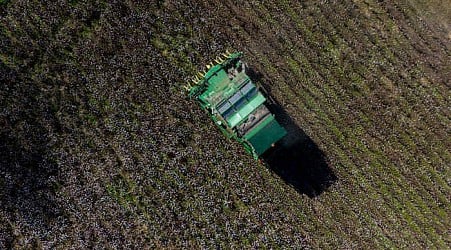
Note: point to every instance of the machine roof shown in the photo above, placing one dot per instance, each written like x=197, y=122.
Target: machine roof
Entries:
x=267, y=133
x=220, y=86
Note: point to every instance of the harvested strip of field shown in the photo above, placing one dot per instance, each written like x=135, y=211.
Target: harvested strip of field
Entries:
x=100, y=148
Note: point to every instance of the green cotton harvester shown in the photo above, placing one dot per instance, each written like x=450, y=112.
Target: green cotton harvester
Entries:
x=235, y=104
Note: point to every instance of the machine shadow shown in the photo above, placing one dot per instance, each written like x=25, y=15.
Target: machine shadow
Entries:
x=28, y=169
x=27, y=182
x=296, y=158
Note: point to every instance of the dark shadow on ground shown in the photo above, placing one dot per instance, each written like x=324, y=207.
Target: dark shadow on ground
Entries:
x=27, y=172
x=296, y=158
x=27, y=184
